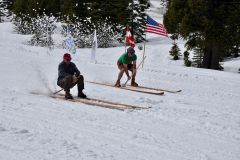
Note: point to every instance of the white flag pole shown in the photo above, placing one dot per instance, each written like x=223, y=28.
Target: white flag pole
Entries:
x=47, y=40
x=94, y=47
x=125, y=40
x=125, y=44
x=144, y=49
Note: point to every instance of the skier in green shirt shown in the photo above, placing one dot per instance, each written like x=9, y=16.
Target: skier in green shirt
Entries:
x=126, y=62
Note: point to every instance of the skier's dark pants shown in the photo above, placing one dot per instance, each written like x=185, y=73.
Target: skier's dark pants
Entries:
x=70, y=81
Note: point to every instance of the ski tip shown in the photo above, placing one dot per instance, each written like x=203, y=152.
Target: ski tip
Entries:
x=161, y=93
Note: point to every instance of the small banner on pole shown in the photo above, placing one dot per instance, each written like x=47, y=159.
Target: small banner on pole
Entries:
x=70, y=44
x=129, y=40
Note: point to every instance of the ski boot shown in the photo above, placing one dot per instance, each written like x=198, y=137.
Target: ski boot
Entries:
x=117, y=84
x=133, y=83
x=81, y=95
x=68, y=95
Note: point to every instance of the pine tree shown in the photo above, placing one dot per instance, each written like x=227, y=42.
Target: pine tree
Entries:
x=197, y=57
x=52, y=7
x=33, y=8
x=232, y=42
x=138, y=18
x=20, y=7
x=86, y=15
x=81, y=9
x=22, y=24
x=77, y=30
x=187, y=62
x=115, y=10
x=175, y=51
x=9, y=7
x=3, y=9
x=217, y=22
x=107, y=37
x=68, y=8
x=43, y=28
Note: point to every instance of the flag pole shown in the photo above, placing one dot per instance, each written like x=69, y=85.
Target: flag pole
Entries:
x=125, y=40
x=47, y=39
x=144, y=49
x=125, y=45
x=94, y=47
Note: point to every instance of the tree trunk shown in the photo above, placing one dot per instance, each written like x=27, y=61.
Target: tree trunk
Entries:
x=207, y=56
x=215, y=57
x=211, y=56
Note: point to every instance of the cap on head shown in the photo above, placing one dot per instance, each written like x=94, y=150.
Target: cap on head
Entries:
x=130, y=50
x=132, y=45
x=67, y=56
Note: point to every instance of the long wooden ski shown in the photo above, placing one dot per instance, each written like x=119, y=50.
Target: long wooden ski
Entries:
x=159, y=89
x=101, y=103
x=121, y=104
x=135, y=89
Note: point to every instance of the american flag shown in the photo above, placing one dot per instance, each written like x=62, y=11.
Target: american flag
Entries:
x=154, y=27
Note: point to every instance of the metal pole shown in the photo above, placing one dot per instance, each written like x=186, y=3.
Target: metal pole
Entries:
x=144, y=49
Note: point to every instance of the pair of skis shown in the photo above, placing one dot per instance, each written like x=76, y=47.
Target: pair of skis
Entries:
x=130, y=88
x=142, y=89
x=101, y=103
x=116, y=105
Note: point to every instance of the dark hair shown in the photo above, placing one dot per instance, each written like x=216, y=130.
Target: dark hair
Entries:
x=130, y=50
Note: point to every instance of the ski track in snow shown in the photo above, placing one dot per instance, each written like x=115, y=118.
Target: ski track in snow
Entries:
x=200, y=123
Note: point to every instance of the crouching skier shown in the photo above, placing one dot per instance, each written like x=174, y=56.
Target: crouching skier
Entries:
x=126, y=62
x=69, y=76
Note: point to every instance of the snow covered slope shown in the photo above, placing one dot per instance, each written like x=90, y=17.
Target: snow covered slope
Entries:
x=200, y=123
